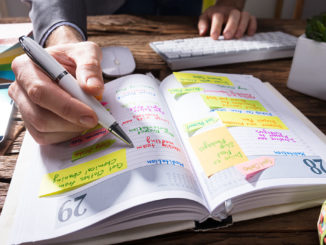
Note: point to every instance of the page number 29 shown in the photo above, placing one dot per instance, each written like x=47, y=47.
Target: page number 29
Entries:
x=71, y=207
x=315, y=165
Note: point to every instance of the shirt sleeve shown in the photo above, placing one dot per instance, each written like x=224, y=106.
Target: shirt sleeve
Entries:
x=62, y=23
x=48, y=15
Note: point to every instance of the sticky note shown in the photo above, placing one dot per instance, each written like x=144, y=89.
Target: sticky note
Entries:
x=234, y=119
x=5, y=67
x=252, y=167
x=76, y=176
x=9, y=75
x=182, y=91
x=98, y=126
x=216, y=150
x=7, y=60
x=195, y=125
x=94, y=133
x=191, y=78
x=92, y=149
x=214, y=102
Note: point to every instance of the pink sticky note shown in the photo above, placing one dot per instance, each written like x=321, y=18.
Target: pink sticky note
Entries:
x=254, y=166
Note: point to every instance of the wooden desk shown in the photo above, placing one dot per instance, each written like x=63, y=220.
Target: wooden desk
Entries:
x=135, y=32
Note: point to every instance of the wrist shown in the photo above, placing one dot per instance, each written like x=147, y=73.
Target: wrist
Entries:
x=63, y=34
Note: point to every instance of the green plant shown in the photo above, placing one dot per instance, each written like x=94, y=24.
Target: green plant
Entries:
x=316, y=28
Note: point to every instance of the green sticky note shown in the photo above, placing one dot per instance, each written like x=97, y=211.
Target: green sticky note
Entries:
x=195, y=125
x=182, y=91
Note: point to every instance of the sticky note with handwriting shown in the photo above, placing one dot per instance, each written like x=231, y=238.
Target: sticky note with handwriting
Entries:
x=89, y=135
x=191, y=78
x=233, y=119
x=252, y=167
x=214, y=102
x=216, y=150
x=92, y=149
x=76, y=176
x=195, y=125
x=182, y=91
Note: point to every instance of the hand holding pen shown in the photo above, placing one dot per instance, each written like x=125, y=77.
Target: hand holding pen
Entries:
x=51, y=114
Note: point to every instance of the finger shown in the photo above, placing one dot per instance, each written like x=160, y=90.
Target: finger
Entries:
x=243, y=24
x=45, y=93
x=88, y=56
x=203, y=24
x=216, y=26
x=49, y=138
x=252, y=27
x=41, y=119
x=231, y=24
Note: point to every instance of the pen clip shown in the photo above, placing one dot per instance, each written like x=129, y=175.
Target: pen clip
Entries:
x=28, y=52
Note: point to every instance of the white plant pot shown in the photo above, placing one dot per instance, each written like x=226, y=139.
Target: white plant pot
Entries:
x=308, y=70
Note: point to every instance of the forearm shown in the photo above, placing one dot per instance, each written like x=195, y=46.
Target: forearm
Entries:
x=238, y=4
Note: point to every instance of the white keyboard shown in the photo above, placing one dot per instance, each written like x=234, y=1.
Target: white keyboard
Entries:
x=204, y=51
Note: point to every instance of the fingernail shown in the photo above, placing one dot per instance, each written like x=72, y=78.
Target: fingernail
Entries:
x=227, y=35
x=93, y=82
x=201, y=31
x=214, y=36
x=87, y=121
x=99, y=97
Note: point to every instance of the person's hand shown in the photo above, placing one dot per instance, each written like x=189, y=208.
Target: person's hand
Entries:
x=50, y=114
x=237, y=23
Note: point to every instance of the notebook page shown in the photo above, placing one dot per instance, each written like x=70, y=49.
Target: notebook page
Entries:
x=294, y=149
x=156, y=169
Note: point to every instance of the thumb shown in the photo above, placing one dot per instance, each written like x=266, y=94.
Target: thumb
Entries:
x=87, y=57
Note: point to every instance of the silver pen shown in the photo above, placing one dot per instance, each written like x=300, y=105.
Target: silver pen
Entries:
x=66, y=81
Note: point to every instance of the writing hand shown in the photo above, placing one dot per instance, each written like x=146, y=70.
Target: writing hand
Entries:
x=236, y=22
x=50, y=114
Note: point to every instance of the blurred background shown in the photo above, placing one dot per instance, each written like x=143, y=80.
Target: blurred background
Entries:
x=285, y=9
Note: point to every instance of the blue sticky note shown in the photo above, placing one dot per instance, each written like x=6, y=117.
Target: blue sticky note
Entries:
x=9, y=75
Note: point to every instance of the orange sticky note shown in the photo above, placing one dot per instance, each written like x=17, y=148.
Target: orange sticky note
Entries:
x=254, y=166
x=216, y=150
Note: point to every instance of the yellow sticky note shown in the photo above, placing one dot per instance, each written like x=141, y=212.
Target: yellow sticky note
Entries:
x=182, y=91
x=191, y=78
x=195, y=125
x=7, y=60
x=92, y=149
x=216, y=150
x=76, y=176
x=226, y=102
x=98, y=126
x=235, y=119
